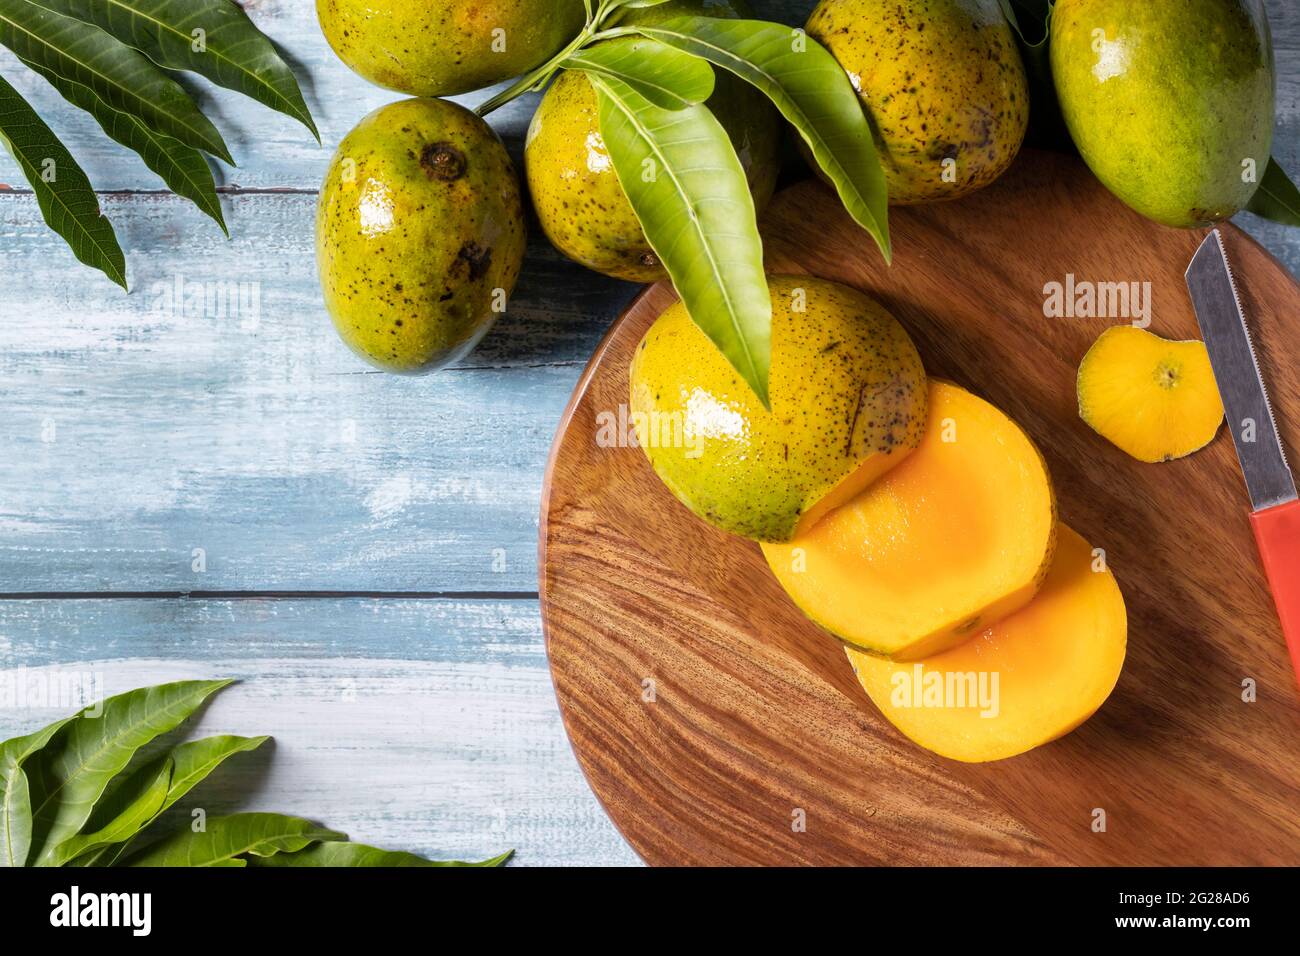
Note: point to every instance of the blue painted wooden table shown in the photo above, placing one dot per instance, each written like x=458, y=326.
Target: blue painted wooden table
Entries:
x=198, y=480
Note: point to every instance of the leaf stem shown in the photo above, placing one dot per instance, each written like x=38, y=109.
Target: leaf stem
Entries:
x=539, y=77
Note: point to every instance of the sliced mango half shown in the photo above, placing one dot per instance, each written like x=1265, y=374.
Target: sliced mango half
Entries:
x=953, y=538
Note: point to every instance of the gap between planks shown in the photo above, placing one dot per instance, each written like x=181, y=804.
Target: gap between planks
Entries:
x=268, y=595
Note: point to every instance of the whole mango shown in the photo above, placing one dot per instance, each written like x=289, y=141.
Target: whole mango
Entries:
x=1170, y=104
x=579, y=201
x=943, y=86
x=446, y=47
x=848, y=395
x=419, y=234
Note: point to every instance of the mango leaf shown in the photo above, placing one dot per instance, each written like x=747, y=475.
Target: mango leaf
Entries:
x=333, y=854
x=634, y=4
x=181, y=167
x=227, y=838
x=69, y=776
x=64, y=194
x=811, y=90
x=15, y=799
x=125, y=822
x=666, y=77
x=123, y=78
x=192, y=762
x=1277, y=197
x=213, y=38
x=689, y=192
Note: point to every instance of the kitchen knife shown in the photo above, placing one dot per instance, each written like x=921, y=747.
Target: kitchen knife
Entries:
x=1275, y=514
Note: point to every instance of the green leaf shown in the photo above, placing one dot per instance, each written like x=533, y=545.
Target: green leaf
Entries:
x=129, y=817
x=181, y=167
x=226, y=838
x=689, y=192
x=15, y=799
x=333, y=854
x=1277, y=197
x=193, y=761
x=124, y=78
x=666, y=77
x=231, y=51
x=811, y=90
x=64, y=194
x=70, y=775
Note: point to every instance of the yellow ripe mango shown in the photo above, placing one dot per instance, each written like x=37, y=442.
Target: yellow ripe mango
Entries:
x=848, y=397
x=446, y=47
x=943, y=86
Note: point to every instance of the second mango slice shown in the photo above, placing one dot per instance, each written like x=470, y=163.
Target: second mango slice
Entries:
x=1026, y=680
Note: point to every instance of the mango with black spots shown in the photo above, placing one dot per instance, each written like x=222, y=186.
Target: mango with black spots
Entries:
x=943, y=86
x=446, y=47
x=575, y=189
x=848, y=403
x=1170, y=104
x=419, y=234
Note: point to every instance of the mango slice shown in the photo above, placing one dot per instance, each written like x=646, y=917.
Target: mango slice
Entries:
x=1025, y=681
x=1152, y=398
x=848, y=395
x=955, y=537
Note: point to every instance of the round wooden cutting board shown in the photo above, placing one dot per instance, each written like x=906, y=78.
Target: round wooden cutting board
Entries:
x=718, y=726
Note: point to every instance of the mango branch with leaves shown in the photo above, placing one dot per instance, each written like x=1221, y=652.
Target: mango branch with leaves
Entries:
x=114, y=59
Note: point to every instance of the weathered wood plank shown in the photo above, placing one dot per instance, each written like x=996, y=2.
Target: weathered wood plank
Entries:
x=140, y=427
x=422, y=725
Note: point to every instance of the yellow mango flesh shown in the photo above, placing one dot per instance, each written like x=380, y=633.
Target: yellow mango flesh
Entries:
x=942, y=83
x=848, y=395
x=955, y=537
x=1152, y=398
x=1027, y=680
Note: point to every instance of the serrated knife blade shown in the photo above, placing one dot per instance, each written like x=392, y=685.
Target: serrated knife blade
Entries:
x=1236, y=370
x=1275, y=517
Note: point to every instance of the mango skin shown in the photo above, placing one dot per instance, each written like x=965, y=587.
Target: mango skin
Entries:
x=1167, y=106
x=848, y=395
x=940, y=80
x=419, y=234
x=447, y=46
x=576, y=193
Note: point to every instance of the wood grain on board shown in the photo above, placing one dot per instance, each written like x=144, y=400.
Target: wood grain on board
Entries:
x=757, y=715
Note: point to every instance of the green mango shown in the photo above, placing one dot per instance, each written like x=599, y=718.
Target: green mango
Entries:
x=1170, y=104
x=848, y=395
x=446, y=47
x=943, y=86
x=579, y=201
x=419, y=234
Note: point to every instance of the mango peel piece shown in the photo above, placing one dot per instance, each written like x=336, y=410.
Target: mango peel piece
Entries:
x=1152, y=398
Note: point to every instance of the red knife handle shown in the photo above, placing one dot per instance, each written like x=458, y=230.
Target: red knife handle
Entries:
x=1277, y=531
